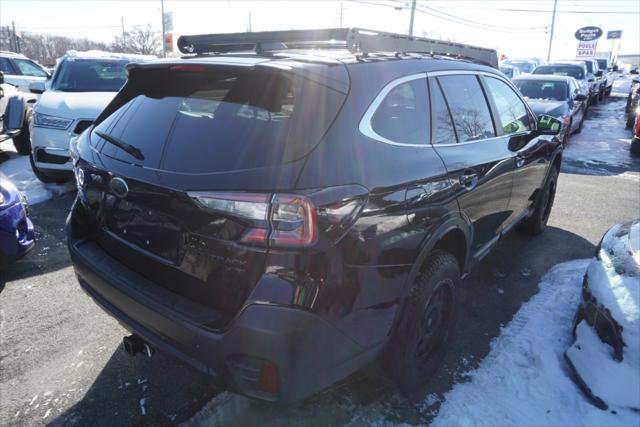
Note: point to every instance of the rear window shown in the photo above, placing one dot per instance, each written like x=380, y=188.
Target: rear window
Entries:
x=602, y=63
x=561, y=70
x=540, y=89
x=219, y=119
x=90, y=75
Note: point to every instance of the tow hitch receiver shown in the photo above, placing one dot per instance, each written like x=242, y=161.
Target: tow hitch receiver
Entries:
x=133, y=345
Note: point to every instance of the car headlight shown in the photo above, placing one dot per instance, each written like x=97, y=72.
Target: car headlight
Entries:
x=46, y=121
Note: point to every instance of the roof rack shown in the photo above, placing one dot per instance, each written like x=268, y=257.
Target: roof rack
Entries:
x=356, y=40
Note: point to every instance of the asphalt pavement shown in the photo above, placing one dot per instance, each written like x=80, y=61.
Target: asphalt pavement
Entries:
x=62, y=363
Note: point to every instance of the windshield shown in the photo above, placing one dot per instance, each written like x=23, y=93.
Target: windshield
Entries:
x=90, y=75
x=507, y=71
x=561, y=70
x=523, y=66
x=224, y=118
x=602, y=63
x=540, y=89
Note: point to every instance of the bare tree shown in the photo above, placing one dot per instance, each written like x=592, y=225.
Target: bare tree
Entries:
x=46, y=48
x=143, y=41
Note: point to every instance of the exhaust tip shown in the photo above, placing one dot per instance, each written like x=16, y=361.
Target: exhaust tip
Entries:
x=133, y=345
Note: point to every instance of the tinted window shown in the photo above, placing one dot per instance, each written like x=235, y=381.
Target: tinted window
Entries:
x=29, y=68
x=402, y=115
x=5, y=66
x=468, y=107
x=221, y=119
x=602, y=63
x=443, y=132
x=90, y=75
x=561, y=70
x=523, y=66
x=589, y=66
x=541, y=89
x=511, y=111
x=507, y=71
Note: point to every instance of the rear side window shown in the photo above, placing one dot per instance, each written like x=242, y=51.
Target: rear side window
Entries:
x=468, y=106
x=5, y=66
x=511, y=111
x=443, y=132
x=220, y=118
x=402, y=115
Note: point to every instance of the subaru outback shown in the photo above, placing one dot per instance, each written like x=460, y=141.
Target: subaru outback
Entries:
x=278, y=214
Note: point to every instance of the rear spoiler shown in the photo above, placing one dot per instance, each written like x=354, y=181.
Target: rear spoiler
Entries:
x=355, y=40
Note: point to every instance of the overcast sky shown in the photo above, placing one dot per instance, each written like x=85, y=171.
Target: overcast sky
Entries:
x=516, y=28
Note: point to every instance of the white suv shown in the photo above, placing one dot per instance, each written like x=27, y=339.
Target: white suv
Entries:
x=82, y=85
x=20, y=71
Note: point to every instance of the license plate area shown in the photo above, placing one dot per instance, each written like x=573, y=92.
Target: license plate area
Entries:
x=149, y=229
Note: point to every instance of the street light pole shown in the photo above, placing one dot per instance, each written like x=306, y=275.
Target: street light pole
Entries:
x=553, y=23
x=164, y=54
x=413, y=14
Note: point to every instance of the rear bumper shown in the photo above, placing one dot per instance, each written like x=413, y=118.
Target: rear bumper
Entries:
x=309, y=353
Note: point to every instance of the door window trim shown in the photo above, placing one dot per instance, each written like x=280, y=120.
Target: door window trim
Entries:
x=366, y=128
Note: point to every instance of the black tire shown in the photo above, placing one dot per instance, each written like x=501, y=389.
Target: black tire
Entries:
x=44, y=177
x=630, y=122
x=537, y=222
x=601, y=95
x=425, y=326
x=22, y=142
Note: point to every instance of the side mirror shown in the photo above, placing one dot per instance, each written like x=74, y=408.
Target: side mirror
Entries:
x=615, y=68
x=548, y=125
x=37, y=87
x=1, y=77
x=580, y=97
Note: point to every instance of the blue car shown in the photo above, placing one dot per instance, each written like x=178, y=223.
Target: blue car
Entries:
x=16, y=230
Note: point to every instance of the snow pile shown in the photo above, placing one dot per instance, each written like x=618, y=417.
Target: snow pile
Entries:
x=614, y=281
x=525, y=379
x=18, y=170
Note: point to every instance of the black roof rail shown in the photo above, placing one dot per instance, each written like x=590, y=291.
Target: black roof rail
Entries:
x=356, y=40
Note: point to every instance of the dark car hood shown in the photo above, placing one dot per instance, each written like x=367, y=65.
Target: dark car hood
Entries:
x=549, y=107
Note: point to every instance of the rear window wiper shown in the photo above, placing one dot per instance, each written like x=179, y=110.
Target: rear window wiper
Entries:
x=134, y=151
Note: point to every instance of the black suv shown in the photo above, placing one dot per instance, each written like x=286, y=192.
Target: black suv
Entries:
x=281, y=217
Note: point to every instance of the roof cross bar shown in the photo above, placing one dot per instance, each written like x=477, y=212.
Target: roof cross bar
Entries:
x=356, y=40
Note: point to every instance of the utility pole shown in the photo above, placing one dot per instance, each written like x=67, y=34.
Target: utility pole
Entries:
x=16, y=48
x=124, y=37
x=164, y=54
x=341, y=10
x=553, y=23
x=249, y=27
x=413, y=14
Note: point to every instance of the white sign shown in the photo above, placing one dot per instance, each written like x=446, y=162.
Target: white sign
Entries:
x=587, y=49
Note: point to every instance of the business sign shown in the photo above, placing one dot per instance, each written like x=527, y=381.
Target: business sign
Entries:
x=167, y=21
x=587, y=34
x=587, y=49
x=617, y=34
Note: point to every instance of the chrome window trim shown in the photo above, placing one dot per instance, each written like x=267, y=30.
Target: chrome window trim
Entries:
x=365, y=123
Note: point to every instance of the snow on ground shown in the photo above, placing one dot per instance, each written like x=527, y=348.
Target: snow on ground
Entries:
x=18, y=169
x=525, y=380
x=597, y=149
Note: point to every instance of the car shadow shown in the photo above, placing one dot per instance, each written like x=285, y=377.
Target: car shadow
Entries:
x=132, y=391
x=490, y=297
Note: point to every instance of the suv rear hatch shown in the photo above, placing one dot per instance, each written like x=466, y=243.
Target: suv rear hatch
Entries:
x=182, y=173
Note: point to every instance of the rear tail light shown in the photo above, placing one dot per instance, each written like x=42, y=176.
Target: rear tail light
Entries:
x=287, y=220
x=637, y=127
x=279, y=220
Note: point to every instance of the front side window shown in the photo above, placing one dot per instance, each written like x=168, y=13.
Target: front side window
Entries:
x=5, y=66
x=510, y=108
x=468, y=106
x=90, y=75
x=402, y=115
x=29, y=68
